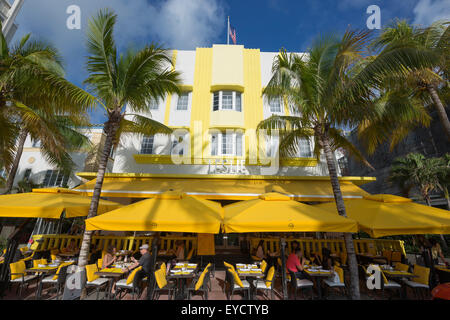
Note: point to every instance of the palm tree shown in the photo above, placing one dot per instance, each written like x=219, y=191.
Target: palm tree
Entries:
x=32, y=77
x=337, y=85
x=417, y=171
x=130, y=80
x=322, y=94
x=444, y=178
x=426, y=82
x=57, y=134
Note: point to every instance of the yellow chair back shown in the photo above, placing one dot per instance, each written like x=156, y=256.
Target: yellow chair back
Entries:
x=423, y=274
x=401, y=267
x=270, y=276
x=164, y=267
x=133, y=274
x=91, y=269
x=200, y=280
x=37, y=262
x=236, y=278
x=190, y=254
x=263, y=265
x=55, y=277
x=160, y=277
x=17, y=267
x=100, y=263
x=228, y=265
x=340, y=273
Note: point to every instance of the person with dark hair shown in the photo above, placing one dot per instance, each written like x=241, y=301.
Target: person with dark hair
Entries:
x=110, y=257
x=436, y=252
x=294, y=245
x=260, y=250
x=295, y=263
x=327, y=262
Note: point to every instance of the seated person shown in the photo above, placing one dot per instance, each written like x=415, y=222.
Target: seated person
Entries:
x=295, y=263
x=316, y=259
x=294, y=245
x=96, y=253
x=327, y=261
x=110, y=257
x=436, y=253
x=260, y=250
x=145, y=261
x=179, y=252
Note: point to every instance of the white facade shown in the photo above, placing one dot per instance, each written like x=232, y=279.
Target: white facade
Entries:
x=8, y=14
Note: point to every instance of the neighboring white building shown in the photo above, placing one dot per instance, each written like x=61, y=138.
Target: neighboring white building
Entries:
x=35, y=168
x=9, y=9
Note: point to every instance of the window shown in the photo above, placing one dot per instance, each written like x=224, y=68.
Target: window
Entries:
x=238, y=102
x=305, y=148
x=227, y=144
x=36, y=144
x=147, y=145
x=174, y=144
x=272, y=145
x=27, y=174
x=183, y=101
x=227, y=100
x=112, y=154
x=55, y=178
x=216, y=101
x=275, y=105
x=153, y=104
x=214, y=144
x=231, y=144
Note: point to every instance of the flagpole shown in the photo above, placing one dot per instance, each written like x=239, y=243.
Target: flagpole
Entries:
x=228, y=31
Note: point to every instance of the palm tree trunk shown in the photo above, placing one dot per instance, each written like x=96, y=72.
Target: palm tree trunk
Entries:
x=440, y=109
x=351, y=256
x=12, y=173
x=110, y=129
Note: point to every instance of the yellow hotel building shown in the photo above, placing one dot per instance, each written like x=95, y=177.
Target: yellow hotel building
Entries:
x=215, y=151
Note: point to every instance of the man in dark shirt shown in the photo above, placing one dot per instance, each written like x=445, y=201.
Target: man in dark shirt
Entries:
x=145, y=261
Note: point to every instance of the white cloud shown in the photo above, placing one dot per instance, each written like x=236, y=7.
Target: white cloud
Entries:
x=428, y=11
x=174, y=24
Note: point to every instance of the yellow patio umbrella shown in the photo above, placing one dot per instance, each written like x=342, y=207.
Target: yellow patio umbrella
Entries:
x=171, y=211
x=275, y=212
x=386, y=215
x=50, y=204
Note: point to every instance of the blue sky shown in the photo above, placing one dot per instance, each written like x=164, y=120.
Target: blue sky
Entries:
x=186, y=24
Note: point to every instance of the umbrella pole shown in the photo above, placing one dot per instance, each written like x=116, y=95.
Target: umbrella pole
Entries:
x=283, y=267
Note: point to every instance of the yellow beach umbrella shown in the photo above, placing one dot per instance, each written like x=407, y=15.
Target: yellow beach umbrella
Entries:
x=50, y=204
x=274, y=212
x=172, y=212
x=386, y=215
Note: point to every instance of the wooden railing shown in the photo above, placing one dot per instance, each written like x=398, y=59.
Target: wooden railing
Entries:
x=334, y=245
x=48, y=242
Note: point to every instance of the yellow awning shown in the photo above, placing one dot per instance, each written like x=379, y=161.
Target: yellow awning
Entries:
x=387, y=215
x=229, y=188
x=50, y=204
x=171, y=212
x=274, y=212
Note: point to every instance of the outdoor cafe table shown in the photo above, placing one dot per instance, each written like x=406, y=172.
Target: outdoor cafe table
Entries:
x=113, y=274
x=42, y=271
x=180, y=272
x=249, y=272
x=396, y=274
x=318, y=273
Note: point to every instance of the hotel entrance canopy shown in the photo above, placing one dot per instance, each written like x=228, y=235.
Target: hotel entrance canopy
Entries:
x=223, y=187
